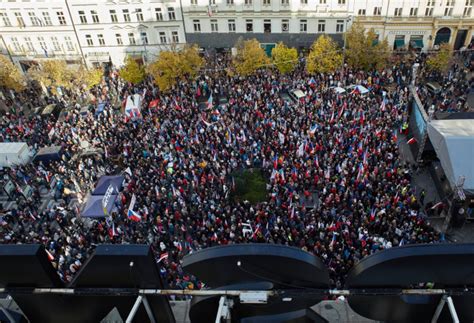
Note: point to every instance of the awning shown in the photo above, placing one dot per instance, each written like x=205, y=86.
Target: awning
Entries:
x=399, y=43
x=453, y=141
x=105, y=181
x=94, y=208
x=417, y=43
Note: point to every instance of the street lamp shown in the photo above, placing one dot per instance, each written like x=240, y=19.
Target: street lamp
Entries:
x=348, y=19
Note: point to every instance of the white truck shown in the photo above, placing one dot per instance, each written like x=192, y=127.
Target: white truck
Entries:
x=14, y=153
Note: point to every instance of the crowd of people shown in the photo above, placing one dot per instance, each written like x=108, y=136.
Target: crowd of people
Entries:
x=178, y=156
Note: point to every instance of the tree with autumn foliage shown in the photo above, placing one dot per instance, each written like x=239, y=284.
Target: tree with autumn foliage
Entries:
x=324, y=56
x=284, y=58
x=132, y=72
x=87, y=79
x=364, y=51
x=10, y=76
x=250, y=57
x=53, y=74
x=174, y=65
x=439, y=61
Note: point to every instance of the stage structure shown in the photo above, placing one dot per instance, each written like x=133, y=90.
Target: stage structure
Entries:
x=249, y=283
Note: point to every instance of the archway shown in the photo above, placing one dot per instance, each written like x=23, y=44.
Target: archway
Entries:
x=442, y=36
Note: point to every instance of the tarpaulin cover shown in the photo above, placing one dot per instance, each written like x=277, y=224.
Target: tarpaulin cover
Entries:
x=47, y=154
x=453, y=141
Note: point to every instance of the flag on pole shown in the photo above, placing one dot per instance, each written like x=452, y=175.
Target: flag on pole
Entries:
x=50, y=256
x=163, y=256
x=134, y=216
x=209, y=102
x=411, y=141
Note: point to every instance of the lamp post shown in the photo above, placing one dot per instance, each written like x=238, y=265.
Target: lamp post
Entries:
x=348, y=19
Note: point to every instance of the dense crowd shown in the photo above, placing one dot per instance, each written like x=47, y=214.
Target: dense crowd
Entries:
x=179, y=154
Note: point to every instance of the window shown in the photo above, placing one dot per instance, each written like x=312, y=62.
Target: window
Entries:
x=162, y=37
x=230, y=2
x=19, y=19
x=113, y=15
x=5, y=19
x=450, y=3
x=304, y=1
x=469, y=2
x=267, y=26
x=398, y=12
x=467, y=11
x=285, y=2
x=159, y=14
x=89, y=40
x=285, y=25
x=322, y=1
x=47, y=19
x=69, y=45
x=430, y=3
x=95, y=16
x=248, y=2
x=55, y=42
x=42, y=43
x=377, y=11
x=340, y=26
x=82, y=17
x=16, y=44
x=175, y=36
x=29, y=44
x=126, y=15
x=448, y=11
x=341, y=1
x=249, y=25
x=197, y=26
x=194, y=2
x=131, y=39
x=100, y=39
x=33, y=19
x=118, y=37
x=303, y=26
x=266, y=2
x=429, y=12
x=171, y=14
x=321, y=26
x=214, y=27
x=139, y=14
x=144, y=37
x=361, y=12
x=231, y=24
x=413, y=12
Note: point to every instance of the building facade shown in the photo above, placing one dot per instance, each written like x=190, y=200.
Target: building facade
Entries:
x=89, y=32
x=101, y=31
x=405, y=23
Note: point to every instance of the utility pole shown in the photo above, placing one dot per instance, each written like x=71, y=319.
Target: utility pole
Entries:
x=75, y=33
x=8, y=50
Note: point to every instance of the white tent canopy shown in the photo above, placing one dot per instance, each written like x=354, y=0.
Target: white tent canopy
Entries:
x=453, y=141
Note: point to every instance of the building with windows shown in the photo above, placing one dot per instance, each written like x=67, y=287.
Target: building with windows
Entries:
x=219, y=23
x=110, y=30
x=89, y=32
x=421, y=24
x=32, y=31
x=406, y=24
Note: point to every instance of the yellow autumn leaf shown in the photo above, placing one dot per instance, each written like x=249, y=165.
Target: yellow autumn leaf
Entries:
x=284, y=58
x=324, y=56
